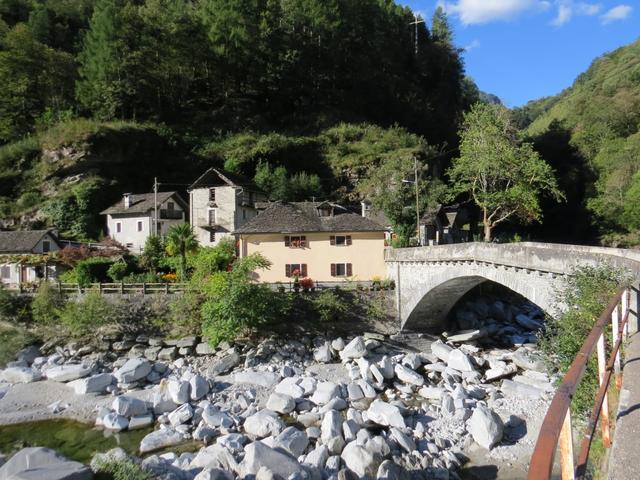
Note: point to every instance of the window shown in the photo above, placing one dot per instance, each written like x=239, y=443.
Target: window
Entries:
x=118, y=227
x=212, y=236
x=5, y=272
x=341, y=270
x=244, y=214
x=298, y=241
x=212, y=194
x=340, y=240
x=46, y=246
x=212, y=217
x=139, y=226
x=295, y=269
x=171, y=206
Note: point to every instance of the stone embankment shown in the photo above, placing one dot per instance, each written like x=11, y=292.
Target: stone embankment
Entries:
x=312, y=407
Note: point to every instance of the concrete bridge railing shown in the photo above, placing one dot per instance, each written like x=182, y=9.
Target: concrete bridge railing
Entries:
x=430, y=280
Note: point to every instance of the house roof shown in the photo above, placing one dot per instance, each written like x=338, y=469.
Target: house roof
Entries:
x=302, y=217
x=214, y=177
x=142, y=203
x=22, y=241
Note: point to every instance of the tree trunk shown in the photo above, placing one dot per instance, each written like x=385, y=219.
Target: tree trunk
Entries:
x=487, y=226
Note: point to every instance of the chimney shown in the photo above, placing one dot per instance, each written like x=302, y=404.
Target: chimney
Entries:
x=127, y=199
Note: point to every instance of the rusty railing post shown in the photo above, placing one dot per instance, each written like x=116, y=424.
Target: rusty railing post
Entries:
x=565, y=441
x=604, y=414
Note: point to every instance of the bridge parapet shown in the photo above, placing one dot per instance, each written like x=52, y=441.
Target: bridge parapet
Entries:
x=430, y=280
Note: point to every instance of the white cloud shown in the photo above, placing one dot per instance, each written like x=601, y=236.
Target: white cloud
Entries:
x=565, y=12
x=616, y=13
x=473, y=12
x=474, y=44
x=588, y=9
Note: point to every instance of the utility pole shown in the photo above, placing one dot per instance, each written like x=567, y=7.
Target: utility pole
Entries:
x=415, y=22
x=155, y=205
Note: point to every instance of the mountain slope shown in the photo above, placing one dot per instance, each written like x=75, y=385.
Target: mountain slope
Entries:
x=600, y=113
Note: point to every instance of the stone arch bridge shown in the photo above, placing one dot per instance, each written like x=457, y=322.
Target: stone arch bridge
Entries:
x=430, y=280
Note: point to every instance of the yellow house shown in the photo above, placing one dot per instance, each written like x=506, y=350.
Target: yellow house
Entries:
x=320, y=240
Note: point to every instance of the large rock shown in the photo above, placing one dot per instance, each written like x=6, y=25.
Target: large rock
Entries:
x=214, y=456
x=323, y=353
x=325, y=392
x=38, y=463
x=19, y=375
x=263, y=424
x=519, y=389
x=199, y=387
x=281, y=403
x=499, y=370
x=258, y=455
x=129, y=406
x=261, y=379
x=356, y=348
x=361, y=461
x=386, y=414
x=292, y=440
x=407, y=375
x=179, y=391
x=66, y=373
x=458, y=360
x=528, y=360
x=223, y=364
x=527, y=322
x=180, y=415
x=290, y=386
x=94, y=384
x=165, y=437
x=391, y=471
x=331, y=425
x=133, y=370
x=467, y=335
x=441, y=350
x=114, y=422
x=485, y=426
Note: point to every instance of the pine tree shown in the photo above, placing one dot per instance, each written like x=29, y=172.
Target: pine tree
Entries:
x=440, y=29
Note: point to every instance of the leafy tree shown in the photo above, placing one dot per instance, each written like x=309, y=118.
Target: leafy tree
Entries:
x=503, y=176
x=280, y=186
x=180, y=241
x=152, y=254
x=210, y=260
x=235, y=303
x=440, y=28
x=46, y=304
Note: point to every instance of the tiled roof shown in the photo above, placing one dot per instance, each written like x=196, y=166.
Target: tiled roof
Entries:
x=217, y=178
x=142, y=203
x=21, y=241
x=302, y=217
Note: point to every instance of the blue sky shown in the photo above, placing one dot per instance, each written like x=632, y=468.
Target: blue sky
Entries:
x=522, y=50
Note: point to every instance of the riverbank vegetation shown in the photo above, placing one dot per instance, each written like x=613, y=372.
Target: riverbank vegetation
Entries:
x=584, y=296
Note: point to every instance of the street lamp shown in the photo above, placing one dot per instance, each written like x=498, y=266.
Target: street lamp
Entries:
x=415, y=182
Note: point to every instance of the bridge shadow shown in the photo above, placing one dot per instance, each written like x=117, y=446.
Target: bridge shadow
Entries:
x=479, y=472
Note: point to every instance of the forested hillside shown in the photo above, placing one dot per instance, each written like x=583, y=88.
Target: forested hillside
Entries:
x=168, y=87
x=591, y=134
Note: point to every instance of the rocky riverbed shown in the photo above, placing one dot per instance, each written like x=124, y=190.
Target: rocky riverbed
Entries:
x=366, y=406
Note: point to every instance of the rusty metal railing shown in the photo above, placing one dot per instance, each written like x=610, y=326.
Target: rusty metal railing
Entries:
x=556, y=430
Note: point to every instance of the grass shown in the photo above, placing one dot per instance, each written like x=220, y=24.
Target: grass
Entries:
x=12, y=340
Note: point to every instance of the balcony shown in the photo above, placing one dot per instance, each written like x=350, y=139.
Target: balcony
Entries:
x=170, y=214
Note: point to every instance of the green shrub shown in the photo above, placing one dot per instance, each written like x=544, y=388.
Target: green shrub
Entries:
x=233, y=303
x=85, y=272
x=88, y=313
x=184, y=314
x=117, y=271
x=329, y=305
x=46, y=303
x=12, y=340
x=14, y=308
x=585, y=294
x=209, y=260
x=123, y=470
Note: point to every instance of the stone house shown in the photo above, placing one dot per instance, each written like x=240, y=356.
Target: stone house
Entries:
x=219, y=203
x=321, y=240
x=444, y=224
x=131, y=220
x=24, y=256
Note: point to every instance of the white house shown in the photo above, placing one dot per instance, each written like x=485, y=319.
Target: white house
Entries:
x=23, y=256
x=219, y=203
x=132, y=220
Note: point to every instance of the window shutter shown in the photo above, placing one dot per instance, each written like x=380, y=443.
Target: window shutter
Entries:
x=287, y=241
x=332, y=239
x=348, y=239
x=303, y=267
x=333, y=269
x=349, y=270
x=287, y=270
x=303, y=241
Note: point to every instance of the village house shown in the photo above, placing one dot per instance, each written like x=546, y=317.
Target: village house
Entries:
x=320, y=240
x=444, y=224
x=132, y=220
x=219, y=203
x=24, y=256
